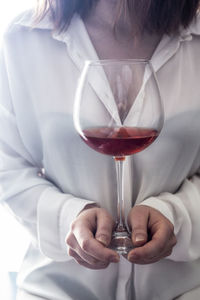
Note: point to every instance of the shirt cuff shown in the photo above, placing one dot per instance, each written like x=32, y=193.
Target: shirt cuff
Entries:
x=69, y=212
x=56, y=211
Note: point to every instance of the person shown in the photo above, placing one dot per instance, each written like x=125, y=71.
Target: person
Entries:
x=62, y=191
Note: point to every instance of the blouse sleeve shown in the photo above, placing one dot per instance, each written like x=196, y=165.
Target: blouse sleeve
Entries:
x=37, y=203
x=182, y=209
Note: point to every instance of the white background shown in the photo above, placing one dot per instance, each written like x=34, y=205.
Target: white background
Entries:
x=11, y=8
x=13, y=239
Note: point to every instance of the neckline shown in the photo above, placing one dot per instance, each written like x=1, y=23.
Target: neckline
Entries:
x=122, y=58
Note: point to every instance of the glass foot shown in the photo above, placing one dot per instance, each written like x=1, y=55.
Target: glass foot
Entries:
x=121, y=242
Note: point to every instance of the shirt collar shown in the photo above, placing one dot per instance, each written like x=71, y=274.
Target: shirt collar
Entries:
x=75, y=35
x=26, y=19
x=80, y=51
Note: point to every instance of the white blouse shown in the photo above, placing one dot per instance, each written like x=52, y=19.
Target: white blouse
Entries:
x=47, y=174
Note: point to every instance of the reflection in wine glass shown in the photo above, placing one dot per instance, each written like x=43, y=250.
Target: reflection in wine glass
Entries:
x=118, y=112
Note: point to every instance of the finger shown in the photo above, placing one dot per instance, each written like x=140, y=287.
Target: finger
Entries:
x=144, y=261
x=92, y=247
x=83, y=263
x=160, y=243
x=71, y=240
x=77, y=249
x=138, y=222
x=104, y=228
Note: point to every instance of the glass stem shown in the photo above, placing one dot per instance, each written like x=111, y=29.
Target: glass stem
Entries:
x=120, y=195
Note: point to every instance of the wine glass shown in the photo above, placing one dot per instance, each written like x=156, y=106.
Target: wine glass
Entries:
x=118, y=111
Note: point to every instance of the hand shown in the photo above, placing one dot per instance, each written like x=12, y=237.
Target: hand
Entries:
x=152, y=235
x=89, y=237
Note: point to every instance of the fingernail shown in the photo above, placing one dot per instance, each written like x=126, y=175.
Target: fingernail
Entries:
x=103, y=240
x=139, y=237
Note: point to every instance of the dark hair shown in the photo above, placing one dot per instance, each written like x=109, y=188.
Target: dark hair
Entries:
x=155, y=16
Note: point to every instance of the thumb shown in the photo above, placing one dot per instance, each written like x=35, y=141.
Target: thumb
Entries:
x=105, y=226
x=138, y=223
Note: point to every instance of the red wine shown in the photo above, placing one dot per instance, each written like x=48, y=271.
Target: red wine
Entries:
x=119, y=141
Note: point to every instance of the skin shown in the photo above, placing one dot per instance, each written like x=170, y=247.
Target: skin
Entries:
x=90, y=233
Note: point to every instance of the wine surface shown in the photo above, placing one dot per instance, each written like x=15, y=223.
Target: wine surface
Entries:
x=119, y=141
